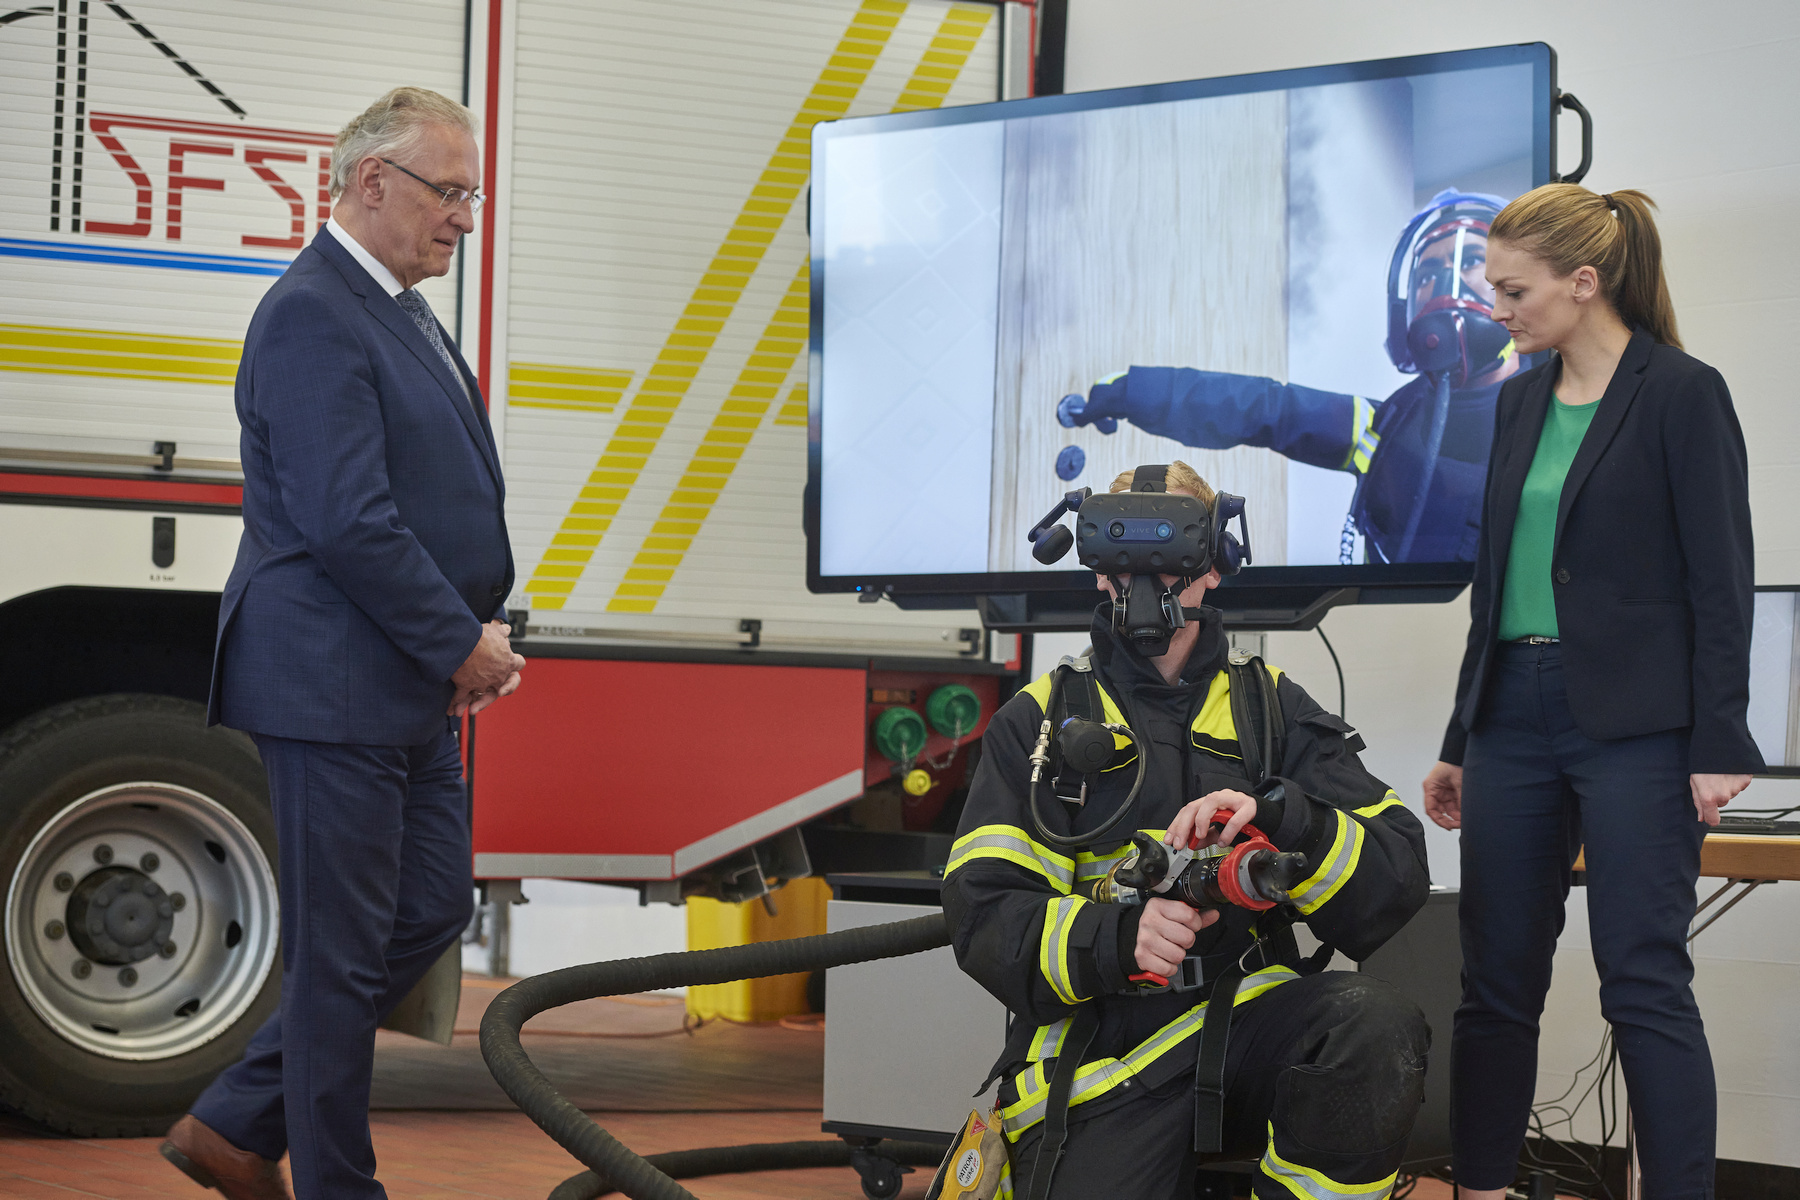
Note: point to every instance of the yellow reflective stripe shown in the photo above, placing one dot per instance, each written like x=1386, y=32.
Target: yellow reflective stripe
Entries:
x=118, y=354
x=1114, y=717
x=1031, y=1084
x=1103, y=1074
x=1053, y=946
x=1382, y=805
x=1039, y=691
x=1338, y=865
x=1090, y=866
x=720, y=288
x=1214, y=723
x=1213, y=729
x=1363, y=438
x=1006, y=1191
x=1011, y=844
x=1047, y=1040
x=1309, y=1184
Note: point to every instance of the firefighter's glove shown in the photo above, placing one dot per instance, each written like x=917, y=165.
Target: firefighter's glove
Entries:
x=1106, y=399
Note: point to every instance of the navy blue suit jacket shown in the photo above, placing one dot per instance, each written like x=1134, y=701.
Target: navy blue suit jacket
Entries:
x=374, y=542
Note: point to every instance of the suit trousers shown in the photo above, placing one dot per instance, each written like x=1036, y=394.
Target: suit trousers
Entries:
x=1534, y=790
x=375, y=884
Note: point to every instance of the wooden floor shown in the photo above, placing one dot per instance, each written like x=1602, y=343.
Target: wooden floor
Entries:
x=443, y=1129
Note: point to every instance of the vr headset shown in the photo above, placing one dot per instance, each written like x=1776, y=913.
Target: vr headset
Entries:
x=1134, y=538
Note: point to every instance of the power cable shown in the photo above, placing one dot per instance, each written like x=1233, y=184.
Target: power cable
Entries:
x=1320, y=630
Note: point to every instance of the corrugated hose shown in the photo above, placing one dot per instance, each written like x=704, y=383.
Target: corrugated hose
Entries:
x=611, y=1166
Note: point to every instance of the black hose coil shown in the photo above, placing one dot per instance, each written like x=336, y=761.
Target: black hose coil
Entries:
x=572, y=1129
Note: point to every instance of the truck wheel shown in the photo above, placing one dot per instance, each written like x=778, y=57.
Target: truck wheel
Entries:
x=137, y=853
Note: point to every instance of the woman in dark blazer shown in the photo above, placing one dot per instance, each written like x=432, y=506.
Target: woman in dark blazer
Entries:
x=1603, y=693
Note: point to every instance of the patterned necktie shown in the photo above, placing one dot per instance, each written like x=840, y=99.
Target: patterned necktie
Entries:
x=416, y=308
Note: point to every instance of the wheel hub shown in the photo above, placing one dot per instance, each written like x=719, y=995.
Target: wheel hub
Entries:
x=118, y=916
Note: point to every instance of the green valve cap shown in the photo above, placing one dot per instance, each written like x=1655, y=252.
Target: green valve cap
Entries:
x=900, y=733
x=954, y=710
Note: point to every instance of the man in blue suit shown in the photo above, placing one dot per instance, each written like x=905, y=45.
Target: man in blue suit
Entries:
x=360, y=621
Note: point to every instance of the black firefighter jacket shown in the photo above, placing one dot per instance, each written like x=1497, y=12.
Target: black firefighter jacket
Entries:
x=1021, y=930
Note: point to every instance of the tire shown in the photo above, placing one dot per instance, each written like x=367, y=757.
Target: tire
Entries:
x=141, y=925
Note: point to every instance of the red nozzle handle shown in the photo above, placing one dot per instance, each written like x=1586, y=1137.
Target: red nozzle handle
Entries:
x=1221, y=819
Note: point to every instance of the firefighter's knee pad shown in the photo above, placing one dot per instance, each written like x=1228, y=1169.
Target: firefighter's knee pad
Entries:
x=1361, y=1091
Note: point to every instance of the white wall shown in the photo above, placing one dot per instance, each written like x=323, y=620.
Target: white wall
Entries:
x=1696, y=104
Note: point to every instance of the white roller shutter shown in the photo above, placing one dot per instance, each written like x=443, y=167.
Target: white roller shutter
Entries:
x=139, y=229
x=655, y=422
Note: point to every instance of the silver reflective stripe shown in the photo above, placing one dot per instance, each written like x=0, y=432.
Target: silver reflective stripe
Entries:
x=1048, y=1040
x=1309, y=1184
x=1340, y=861
x=1010, y=844
x=1102, y=1075
x=1053, y=950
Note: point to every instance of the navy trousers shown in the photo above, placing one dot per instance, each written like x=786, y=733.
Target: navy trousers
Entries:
x=375, y=884
x=1534, y=789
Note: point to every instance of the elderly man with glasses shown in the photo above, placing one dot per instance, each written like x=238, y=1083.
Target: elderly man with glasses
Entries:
x=361, y=621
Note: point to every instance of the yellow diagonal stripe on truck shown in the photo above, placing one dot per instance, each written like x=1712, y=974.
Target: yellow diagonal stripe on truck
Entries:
x=717, y=456
x=720, y=288
x=575, y=389
x=115, y=354
x=944, y=59
x=793, y=409
x=782, y=341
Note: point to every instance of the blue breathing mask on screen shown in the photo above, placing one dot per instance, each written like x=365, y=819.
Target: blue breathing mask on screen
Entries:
x=1440, y=307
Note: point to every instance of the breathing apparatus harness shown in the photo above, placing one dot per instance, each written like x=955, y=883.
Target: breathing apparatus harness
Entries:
x=1134, y=538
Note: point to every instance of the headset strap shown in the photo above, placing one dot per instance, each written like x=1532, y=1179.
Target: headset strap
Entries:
x=1150, y=478
x=1056, y=1103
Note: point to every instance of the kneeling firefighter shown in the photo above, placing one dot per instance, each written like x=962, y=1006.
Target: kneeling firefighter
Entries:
x=1162, y=1012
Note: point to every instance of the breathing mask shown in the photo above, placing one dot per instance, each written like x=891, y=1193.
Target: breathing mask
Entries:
x=1440, y=308
x=1135, y=538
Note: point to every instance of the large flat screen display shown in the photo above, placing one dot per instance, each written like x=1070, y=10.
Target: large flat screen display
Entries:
x=1275, y=278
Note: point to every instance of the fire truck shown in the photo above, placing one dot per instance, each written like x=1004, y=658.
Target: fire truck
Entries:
x=635, y=302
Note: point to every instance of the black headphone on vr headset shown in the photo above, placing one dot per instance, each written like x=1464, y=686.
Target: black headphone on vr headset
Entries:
x=1147, y=532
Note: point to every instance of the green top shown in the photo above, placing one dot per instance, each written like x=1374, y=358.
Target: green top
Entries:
x=1528, y=604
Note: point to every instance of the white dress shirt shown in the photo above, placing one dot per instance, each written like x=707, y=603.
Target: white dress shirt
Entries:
x=385, y=278
x=364, y=259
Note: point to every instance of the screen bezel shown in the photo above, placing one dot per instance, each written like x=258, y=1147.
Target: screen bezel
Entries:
x=1783, y=772
x=1538, y=55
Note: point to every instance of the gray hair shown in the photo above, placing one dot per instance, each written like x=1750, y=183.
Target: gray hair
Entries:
x=392, y=127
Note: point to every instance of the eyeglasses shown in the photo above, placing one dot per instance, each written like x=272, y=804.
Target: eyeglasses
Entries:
x=451, y=197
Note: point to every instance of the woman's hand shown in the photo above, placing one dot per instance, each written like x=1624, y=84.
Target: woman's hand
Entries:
x=1443, y=795
x=1195, y=819
x=1713, y=792
x=1166, y=931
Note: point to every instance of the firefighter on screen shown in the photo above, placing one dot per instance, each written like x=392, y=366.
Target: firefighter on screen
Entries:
x=1420, y=456
x=1109, y=1078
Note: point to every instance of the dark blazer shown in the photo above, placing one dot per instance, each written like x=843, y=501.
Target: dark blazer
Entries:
x=1652, y=567
x=374, y=540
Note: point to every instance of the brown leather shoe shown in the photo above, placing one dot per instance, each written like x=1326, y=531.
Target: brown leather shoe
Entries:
x=212, y=1162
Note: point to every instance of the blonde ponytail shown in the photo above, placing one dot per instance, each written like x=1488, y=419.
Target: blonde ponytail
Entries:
x=1569, y=227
